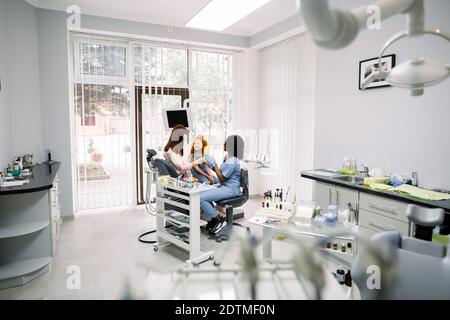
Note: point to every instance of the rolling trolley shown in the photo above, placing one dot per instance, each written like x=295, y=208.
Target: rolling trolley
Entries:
x=178, y=218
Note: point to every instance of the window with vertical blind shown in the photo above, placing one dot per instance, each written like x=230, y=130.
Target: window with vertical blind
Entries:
x=287, y=109
x=108, y=74
x=103, y=131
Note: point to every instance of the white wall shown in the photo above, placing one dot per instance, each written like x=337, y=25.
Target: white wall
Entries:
x=20, y=125
x=23, y=79
x=385, y=127
x=5, y=150
x=54, y=79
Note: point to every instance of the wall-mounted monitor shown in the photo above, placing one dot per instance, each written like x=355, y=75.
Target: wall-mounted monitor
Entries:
x=172, y=117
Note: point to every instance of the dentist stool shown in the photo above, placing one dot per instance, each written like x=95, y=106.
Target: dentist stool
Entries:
x=230, y=204
x=424, y=220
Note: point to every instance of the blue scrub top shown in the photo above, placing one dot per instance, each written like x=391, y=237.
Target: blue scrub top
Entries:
x=231, y=169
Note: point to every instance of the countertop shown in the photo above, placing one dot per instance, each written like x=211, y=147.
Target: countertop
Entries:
x=42, y=179
x=444, y=204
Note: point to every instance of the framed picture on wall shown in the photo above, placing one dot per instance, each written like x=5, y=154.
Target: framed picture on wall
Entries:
x=369, y=66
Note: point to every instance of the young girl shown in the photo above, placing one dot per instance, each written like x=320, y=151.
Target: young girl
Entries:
x=202, y=171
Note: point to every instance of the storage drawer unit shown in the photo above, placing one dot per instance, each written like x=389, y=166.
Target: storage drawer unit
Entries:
x=380, y=223
x=385, y=207
x=366, y=233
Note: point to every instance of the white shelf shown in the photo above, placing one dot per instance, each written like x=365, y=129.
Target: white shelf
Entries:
x=336, y=252
x=23, y=267
x=22, y=229
x=177, y=222
x=173, y=239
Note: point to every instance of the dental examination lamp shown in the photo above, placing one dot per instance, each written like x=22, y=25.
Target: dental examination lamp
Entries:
x=335, y=29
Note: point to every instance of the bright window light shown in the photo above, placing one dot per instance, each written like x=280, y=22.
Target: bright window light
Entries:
x=218, y=15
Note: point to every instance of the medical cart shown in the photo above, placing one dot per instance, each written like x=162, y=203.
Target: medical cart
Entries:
x=178, y=218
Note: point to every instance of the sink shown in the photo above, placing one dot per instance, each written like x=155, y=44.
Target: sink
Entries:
x=350, y=179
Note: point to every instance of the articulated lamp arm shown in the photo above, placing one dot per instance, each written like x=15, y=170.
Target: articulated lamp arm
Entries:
x=335, y=29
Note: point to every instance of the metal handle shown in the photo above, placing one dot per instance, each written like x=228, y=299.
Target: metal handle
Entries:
x=390, y=210
x=357, y=213
x=353, y=212
x=337, y=198
x=376, y=225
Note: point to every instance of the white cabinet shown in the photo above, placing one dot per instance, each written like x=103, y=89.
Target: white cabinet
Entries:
x=380, y=214
x=346, y=198
x=55, y=212
x=385, y=207
x=323, y=195
x=375, y=214
x=326, y=194
x=379, y=223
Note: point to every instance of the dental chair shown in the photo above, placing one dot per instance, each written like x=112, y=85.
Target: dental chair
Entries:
x=408, y=268
x=230, y=204
x=164, y=167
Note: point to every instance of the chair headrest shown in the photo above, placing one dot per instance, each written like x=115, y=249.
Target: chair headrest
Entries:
x=425, y=217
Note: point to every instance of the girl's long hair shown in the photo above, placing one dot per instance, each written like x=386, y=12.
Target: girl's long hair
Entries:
x=204, y=144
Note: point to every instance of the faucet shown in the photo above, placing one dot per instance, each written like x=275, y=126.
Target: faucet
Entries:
x=365, y=171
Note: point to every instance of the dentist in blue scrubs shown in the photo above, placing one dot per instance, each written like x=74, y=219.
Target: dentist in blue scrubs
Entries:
x=229, y=174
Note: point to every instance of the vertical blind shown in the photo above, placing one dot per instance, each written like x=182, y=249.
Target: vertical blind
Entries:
x=287, y=89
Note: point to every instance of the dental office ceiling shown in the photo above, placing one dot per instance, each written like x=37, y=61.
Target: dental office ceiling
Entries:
x=175, y=12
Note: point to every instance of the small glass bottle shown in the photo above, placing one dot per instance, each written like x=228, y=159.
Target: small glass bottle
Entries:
x=340, y=276
x=348, y=279
x=349, y=247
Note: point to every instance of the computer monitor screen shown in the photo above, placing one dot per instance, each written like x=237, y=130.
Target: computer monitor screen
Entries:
x=172, y=117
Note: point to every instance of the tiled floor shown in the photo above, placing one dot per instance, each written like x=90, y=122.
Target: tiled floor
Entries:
x=104, y=246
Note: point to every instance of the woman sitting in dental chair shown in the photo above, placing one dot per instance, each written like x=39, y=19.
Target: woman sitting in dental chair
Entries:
x=174, y=153
x=229, y=175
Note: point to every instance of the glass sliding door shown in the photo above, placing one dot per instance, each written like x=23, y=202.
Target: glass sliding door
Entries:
x=161, y=82
x=165, y=78
x=103, y=123
x=211, y=95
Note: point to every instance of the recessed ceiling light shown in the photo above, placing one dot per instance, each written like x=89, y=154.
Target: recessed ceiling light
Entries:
x=218, y=15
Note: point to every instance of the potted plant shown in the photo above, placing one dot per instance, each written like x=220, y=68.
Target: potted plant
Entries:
x=89, y=119
x=96, y=156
